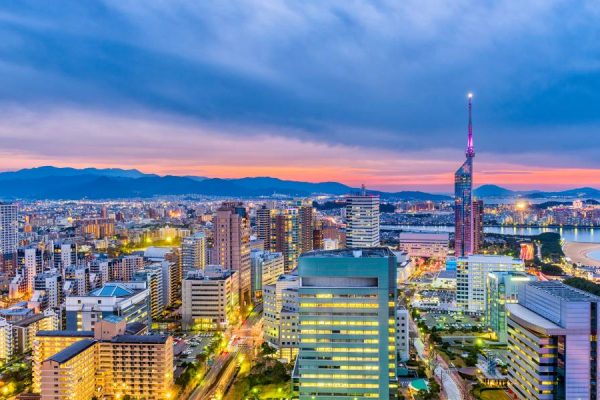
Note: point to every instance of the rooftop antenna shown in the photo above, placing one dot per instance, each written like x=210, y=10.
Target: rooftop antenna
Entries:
x=470, y=148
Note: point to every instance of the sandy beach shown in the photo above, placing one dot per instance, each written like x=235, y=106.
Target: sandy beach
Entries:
x=578, y=252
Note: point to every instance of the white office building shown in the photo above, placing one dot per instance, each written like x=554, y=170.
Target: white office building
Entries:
x=280, y=311
x=471, y=278
x=402, y=336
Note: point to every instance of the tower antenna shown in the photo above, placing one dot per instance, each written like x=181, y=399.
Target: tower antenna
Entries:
x=470, y=148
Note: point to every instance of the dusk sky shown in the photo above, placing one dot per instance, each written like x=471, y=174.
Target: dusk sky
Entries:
x=358, y=92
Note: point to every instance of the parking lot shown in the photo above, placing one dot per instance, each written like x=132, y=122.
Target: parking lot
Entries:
x=190, y=345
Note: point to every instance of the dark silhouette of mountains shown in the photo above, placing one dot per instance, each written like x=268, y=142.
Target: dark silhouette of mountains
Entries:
x=498, y=191
x=93, y=183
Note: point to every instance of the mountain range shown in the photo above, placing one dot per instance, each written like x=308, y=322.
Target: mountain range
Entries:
x=487, y=191
x=93, y=183
x=96, y=183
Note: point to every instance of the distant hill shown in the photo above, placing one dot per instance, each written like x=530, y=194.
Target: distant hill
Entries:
x=71, y=183
x=493, y=191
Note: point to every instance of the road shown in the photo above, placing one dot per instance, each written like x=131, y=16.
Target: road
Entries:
x=449, y=377
x=244, y=341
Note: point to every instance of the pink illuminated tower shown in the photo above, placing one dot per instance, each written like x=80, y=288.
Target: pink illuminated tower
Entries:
x=468, y=212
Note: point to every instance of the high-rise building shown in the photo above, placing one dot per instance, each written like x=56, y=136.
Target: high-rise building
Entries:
x=468, y=212
x=552, y=343
x=263, y=226
x=347, y=330
x=362, y=220
x=266, y=268
x=193, y=252
x=30, y=263
x=64, y=255
x=231, y=247
x=402, y=334
x=471, y=278
x=49, y=287
x=306, y=218
x=152, y=275
x=210, y=298
x=9, y=229
x=284, y=236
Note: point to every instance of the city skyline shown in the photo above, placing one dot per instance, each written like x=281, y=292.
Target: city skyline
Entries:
x=378, y=102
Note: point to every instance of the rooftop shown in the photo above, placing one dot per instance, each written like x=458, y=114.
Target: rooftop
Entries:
x=66, y=333
x=150, y=339
x=532, y=320
x=135, y=328
x=564, y=292
x=30, y=320
x=111, y=290
x=364, y=252
x=72, y=351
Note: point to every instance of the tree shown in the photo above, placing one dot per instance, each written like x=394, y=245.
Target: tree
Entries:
x=266, y=349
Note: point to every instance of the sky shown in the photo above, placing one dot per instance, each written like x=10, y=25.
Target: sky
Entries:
x=370, y=92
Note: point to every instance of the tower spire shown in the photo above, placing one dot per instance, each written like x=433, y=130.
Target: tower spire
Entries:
x=470, y=148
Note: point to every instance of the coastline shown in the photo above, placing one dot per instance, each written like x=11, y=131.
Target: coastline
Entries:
x=578, y=253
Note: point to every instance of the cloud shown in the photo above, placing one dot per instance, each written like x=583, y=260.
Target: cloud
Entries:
x=376, y=77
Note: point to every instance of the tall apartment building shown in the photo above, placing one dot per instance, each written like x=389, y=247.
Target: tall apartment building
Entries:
x=124, y=268
x=280, y=310
x=152, y=275
x=9, y=229
x=193, y=252
x=502, y=288
x=30, y=263
x=48, y=289
x=426, y=245
x=471, y=278
x=108, y=362
x=552, y=343
x=266, y=268
x=284, y=236
x=210, y=298
x=362, y=220
x=64, y=255
x=347, y=316
x=263, y=226
x=231, y=247
x=306, y=225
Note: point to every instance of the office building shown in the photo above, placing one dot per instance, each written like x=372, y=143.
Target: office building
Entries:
x=130, y=300
x=347, y=323
x=9, y=229
x=193, y=252
x=231, y=246
x=280, y=315
x=210, y=298
x=552, y=343
x=468, y=212
x=502, y=288
x=362, y=220
x=266, y=268
x=471, y=278
x=425, y=245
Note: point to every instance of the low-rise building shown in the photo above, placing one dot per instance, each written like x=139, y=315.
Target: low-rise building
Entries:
x=210, y=298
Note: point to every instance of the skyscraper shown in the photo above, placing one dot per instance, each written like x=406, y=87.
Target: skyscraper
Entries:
x=284, y=236
x=263, y=226
x=9, y=228
x=231, y=247
x=467, y=212
x=362, y=218
x=306, y=227
x=347, y=324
